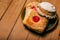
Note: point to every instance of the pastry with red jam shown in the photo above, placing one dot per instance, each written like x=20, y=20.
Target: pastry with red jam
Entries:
x=37, y=15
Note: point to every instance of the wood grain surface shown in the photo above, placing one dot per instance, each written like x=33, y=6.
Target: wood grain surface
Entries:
x=4, y=5
x=11, y=26
x=9, y=19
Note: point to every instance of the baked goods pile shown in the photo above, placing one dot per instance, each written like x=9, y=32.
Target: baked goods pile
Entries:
x=37, y=15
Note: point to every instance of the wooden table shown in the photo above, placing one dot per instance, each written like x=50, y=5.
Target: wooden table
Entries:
x=11, y=27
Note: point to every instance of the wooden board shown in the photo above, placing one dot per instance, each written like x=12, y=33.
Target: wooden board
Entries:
x=11, y=26
x=9, y=19
x=17, y=32
x=29, y=35
x=4, y=5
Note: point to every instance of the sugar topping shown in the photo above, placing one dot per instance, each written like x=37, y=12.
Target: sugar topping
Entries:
x=47, y=6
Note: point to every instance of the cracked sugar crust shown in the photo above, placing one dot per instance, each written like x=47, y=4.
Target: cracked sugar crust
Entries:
x=47, y=6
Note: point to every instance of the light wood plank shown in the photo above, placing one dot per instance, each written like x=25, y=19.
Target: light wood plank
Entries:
x=4, y=4
x=32, y=36
x=19, y=33
x=16, y=36
x=8, y=21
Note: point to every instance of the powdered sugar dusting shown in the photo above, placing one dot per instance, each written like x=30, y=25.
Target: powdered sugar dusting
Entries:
x=47, y=6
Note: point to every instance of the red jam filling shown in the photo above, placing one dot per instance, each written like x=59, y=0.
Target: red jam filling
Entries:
x=36, y=18
x=33, y=7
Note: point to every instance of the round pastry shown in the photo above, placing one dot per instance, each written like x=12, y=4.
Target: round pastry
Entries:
x=46, y=9
x=37, y=15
